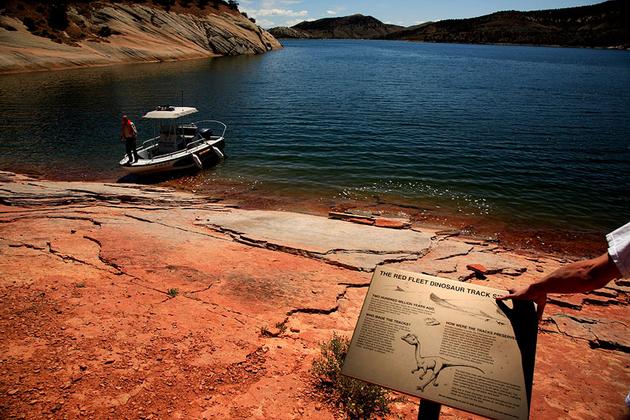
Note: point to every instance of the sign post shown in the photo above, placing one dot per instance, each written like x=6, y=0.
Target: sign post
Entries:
x=428, y=410
x=446, y=342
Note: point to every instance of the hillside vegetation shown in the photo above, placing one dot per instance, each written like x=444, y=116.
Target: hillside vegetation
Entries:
x=601, y=25
x=349, y=27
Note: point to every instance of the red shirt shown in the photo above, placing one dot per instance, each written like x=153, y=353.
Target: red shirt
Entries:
x=128, y=129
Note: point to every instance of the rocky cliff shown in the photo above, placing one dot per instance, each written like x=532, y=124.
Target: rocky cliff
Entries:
x=602, y=25
x=348, y=27
x=103, y=33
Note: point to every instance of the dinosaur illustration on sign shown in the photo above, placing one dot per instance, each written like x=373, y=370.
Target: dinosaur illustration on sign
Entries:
x=430, y=366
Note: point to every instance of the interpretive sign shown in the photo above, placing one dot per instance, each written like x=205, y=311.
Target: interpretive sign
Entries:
x=446, y=341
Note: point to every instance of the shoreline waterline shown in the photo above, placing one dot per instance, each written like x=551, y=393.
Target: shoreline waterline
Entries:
x=523, y=236
x=534, y=240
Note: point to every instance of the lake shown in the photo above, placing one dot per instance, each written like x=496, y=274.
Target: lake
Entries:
x=531, y=136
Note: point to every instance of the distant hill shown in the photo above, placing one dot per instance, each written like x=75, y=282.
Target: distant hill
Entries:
x=286, y=32
x=601, y=25
x=348, y=27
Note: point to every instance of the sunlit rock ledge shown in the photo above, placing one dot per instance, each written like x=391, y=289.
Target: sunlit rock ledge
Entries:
x=125, y=300
x=135, y=33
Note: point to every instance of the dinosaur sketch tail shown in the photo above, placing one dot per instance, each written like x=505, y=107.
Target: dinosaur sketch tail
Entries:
x=462, y=365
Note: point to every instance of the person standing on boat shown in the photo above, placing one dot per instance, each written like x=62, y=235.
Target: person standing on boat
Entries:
x=128, y=134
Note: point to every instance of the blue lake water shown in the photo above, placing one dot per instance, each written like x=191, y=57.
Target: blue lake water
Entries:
x=532, y=136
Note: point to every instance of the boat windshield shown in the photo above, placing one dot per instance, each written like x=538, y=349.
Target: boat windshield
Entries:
x=174, y=136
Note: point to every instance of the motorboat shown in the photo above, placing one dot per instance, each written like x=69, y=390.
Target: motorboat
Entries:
x=178, y=145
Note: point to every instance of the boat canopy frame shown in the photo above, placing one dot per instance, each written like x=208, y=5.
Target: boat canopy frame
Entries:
x=195, y=142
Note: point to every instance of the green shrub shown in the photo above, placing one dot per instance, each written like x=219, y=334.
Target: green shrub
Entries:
x=104, y=31
x=58, y=15
x=29, y=23
x=357, y=399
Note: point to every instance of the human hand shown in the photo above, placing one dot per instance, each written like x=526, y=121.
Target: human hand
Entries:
x=578, y=277
x=531, y=292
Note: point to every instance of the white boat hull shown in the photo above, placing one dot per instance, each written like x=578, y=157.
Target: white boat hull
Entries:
x=180, y=160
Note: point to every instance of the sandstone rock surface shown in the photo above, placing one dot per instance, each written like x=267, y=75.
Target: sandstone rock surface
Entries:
x=348, y=244
x=138, y=33
x=131, y=301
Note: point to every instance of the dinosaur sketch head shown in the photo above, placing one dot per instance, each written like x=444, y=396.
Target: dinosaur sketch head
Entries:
x=410, y=339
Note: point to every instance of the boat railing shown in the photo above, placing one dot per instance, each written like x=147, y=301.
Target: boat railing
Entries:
x=223, y=126
x=147, y=144
x=201, y=139
x=150, y=142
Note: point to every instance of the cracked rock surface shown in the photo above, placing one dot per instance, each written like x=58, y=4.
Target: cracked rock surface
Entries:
x=129, y=301
x=351, y=245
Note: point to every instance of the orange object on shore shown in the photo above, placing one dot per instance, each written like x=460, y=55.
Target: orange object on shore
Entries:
x=477, y=268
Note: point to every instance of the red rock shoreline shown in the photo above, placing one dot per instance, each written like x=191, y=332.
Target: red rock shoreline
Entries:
x=529, y=238
x=525, y=238
x=123, y=300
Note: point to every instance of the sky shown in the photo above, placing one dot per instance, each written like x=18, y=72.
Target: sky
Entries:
x=270, y=13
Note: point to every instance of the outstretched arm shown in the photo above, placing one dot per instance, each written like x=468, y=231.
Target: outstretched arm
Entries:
x=577, y=277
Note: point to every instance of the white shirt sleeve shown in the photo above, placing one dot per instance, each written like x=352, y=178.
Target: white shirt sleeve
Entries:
x=619, y=248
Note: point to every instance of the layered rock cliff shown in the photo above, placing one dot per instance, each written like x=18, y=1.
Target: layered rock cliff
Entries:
x=103, y=33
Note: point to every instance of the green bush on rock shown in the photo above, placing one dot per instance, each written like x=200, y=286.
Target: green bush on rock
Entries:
x=357, y=399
